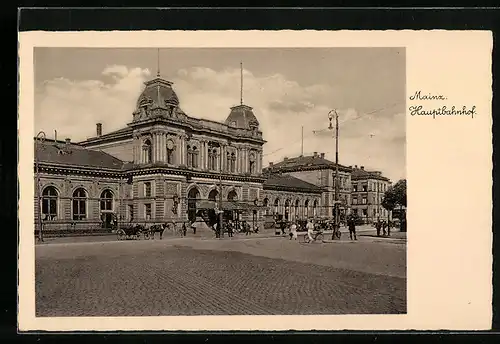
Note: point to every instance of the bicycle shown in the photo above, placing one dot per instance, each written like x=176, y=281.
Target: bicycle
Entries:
x=317, y=236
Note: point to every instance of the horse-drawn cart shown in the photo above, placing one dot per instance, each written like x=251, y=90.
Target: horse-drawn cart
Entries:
x=132, y=232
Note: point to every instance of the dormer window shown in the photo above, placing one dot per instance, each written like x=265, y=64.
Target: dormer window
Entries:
x=233, y=123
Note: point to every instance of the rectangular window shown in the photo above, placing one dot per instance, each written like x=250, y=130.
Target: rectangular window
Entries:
x=131, y=212
x=365, y=188
x=364, y=200
x=365, y=212
x=79, y=209
x=354, y=188
x=354, y=200
x=147, y=189
x=147, y=211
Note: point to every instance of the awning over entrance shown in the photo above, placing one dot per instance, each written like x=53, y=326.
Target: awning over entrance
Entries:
x=228, y=205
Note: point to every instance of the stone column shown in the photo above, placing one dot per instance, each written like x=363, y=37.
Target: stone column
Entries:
x=223, y=157
x=181, y=150
x=163, y=145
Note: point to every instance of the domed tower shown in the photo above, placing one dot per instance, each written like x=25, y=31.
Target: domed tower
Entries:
x=158, y=99
x=242, y=116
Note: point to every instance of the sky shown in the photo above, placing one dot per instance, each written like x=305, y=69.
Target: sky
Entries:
x=288, y=88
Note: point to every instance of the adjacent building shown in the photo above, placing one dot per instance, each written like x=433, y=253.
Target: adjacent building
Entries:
x=368, y=189
x=317, y=170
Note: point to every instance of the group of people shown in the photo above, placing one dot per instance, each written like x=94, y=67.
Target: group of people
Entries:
x=312, y=228
x=384, y=226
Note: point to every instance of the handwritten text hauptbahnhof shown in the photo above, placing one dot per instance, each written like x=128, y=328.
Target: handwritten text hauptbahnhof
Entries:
x=419, y=110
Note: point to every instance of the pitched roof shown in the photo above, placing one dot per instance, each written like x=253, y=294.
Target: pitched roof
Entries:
x=287, y=182
x=305, y=162
x=74, y=155
x=362, y=174
x=125, y=130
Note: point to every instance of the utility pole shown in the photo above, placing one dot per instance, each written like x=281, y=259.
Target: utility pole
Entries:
x=39, y=137
x=302, y=145
x=221, y=212
x=336, y=180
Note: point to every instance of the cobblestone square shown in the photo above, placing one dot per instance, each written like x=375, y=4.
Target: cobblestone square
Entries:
x=267, y=276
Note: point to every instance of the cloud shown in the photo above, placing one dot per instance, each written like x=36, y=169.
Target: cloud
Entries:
x=375, y=140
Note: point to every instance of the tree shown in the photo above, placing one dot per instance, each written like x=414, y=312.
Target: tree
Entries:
x=396, y=196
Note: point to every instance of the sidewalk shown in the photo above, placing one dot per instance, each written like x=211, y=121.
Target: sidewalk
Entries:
x=364, y=231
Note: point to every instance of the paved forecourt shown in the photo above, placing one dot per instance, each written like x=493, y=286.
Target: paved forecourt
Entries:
x=220, y=277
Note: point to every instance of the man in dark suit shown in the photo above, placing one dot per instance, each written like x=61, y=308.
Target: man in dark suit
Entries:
x=351, y=224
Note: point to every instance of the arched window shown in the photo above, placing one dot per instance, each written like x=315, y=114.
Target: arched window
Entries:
x=170, y=152
x=49, y=203
x=252, y=163
x=315, y=208
x=306, y=208
x=232, y=196
x=287, y=209
x=212, y=159
x=212, y=196
x=193, y=196
x=232, y=164
x=79, y=204
x=265, y=203
x=106, y=200
x=297, y=207
x=194, y=157
x=276, y=206
x=147, y=152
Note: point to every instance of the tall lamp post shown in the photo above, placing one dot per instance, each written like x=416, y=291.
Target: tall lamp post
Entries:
x=41, y=138
x=221, y=211
x=331, y=115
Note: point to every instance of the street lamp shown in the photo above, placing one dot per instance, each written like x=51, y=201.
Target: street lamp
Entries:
x=333, y=114
x=221, y=211
x=39, y=137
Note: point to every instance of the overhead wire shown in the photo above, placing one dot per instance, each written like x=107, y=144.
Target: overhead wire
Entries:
x=313, y=132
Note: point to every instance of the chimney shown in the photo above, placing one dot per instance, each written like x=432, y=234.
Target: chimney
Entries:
x=362, y=167
x=322, y=155
x=68, y=141
x=355, y=166
x=99, y=129
x=270, y=163
x=315, y=154
x=285, y=158
x=350, y=166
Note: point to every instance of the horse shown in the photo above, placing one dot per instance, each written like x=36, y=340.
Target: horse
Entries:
x=158, y=229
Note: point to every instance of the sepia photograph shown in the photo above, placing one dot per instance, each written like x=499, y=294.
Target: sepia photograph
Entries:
x=219, y=181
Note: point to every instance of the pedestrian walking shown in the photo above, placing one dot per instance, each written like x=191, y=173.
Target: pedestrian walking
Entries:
x=230, y=229
x=384, y=226
x=184, y=229
x=310, y=230
x=193, y=227
x=283, y=227
x=352, y=228
x=216, y=229
x=293, y=231
x=378, y=226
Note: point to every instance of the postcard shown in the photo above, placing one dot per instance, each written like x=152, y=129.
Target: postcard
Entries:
x=255, y=180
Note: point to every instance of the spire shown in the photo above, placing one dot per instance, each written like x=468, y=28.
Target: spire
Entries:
x=241, y=83
x=158, y=63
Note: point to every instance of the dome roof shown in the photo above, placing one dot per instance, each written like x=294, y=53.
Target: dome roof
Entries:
x=158, y=93
x=242, y=116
